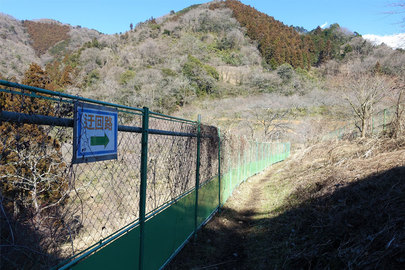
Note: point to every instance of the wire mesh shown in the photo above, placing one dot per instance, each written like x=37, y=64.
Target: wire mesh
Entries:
x=52, y=209
x=209, y=153
x=171, y=162
x=34, y=184
x=380, y=123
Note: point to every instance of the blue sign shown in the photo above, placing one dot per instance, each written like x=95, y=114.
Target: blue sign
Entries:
x=95, y=133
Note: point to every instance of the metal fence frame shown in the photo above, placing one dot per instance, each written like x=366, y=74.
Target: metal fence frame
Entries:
x=260, y=156
x=379, y=124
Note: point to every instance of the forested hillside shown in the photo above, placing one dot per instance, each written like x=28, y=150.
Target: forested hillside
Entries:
x=42, y=42
x=224, y=59
x=45, y=35
x=281, y=44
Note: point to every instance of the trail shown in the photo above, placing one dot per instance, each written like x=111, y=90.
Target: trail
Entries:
x=312, y=211
x=229, y=239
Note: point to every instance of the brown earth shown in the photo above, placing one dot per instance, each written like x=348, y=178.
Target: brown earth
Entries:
x=222, y=243
x=335, y=205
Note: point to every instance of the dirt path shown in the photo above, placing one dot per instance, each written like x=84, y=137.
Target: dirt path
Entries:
x=229, y=240
x=312, y=211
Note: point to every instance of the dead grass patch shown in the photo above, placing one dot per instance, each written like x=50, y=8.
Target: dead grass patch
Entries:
x=334, y=205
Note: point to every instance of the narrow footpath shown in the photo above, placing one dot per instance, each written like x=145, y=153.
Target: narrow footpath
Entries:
x=233, y=238
x=312, y=211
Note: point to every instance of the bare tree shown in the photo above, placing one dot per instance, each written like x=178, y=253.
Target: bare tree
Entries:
x=363, y=92
x=398, y=98
x=274, y=123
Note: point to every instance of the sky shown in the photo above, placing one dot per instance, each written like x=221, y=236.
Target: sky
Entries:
x=115, y=16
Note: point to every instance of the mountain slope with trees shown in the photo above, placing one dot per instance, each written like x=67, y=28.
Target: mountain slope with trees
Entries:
x=202, y=51
x=281, y=44
x=204, y=55
x=41, y=42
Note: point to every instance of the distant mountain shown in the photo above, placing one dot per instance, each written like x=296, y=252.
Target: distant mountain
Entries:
x=300, y=29
x=394, y=41
x=40, y=41
x=216, y=49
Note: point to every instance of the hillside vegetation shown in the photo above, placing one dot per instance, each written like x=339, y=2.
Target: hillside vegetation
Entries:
x=41, y=42
x=335, y=205
x=281, y=44
x=45, y=35
x=204, y=55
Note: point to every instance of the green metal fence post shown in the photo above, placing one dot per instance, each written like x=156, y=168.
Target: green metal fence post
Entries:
x=244, y=165
x=250, y=159
x=257, y=157
x=197, y=175
x=219, y=169
x=144, y=175
x=230, y=175
x=239, y=166
x=263, y=162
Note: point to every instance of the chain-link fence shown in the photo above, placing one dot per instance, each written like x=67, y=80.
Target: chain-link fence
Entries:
x=135, y=211
x=380, y=123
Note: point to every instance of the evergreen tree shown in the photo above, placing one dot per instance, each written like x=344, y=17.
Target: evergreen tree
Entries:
x=32, y=184
x=37, y=77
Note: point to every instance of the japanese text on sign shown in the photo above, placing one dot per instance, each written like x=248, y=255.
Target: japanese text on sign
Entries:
x=97, y=122
x=95, y=133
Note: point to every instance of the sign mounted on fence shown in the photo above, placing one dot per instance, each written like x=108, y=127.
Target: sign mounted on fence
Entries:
x=95, y=133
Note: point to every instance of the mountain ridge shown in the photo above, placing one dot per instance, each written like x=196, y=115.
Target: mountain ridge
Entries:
x=202, y=51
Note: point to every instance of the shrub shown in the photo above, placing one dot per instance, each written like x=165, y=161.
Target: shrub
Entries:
x=126, y=76
x=202, y=76
x=45, y=35
x=33, y=186
x=285, y=71
x=231, y=58
x=93, y=77
x=168, y=72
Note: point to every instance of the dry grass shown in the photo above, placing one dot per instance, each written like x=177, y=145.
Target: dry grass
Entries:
x=346, y=209
x=334, y=205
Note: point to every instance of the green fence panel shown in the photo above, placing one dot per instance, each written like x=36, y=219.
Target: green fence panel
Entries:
x=207, y=200
x=230, y=182
x=237, y=180
x=234, y=176
x=123, y=253
x=152, y=242
x=225, y=189
x=166, y=231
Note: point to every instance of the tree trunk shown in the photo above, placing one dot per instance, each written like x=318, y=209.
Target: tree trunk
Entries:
x=363, y=127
